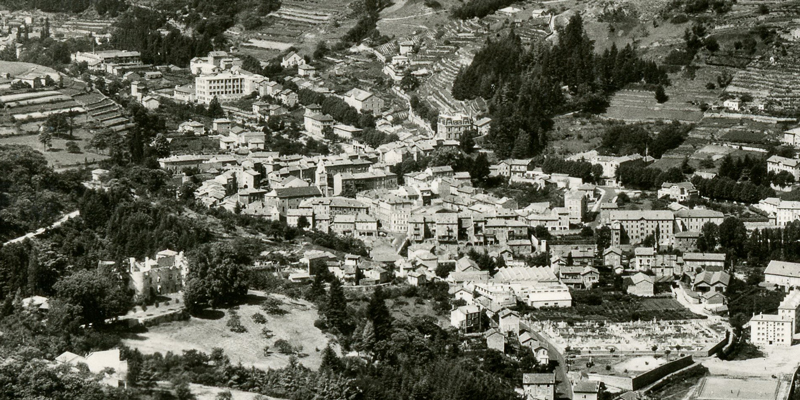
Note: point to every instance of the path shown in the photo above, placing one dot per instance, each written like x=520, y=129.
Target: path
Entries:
x=43, y=230
x=608, y=194
x=563, y=384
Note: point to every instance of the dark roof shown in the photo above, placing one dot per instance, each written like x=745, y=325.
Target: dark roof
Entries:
x=307, y=191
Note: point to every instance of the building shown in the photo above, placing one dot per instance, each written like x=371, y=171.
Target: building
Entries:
x=687, y=240
x=226, y=86
x=362, y=181
x=495, y=340
x=215, y=61
x=452, y=126
x=612, y=257
x=586, y=390
x=96, y=60
x=291, y=197
x=734, y=104
x=150, y=102
x=163, y=275
x=306, y=70
x=363, y=100
x=539, y=386
x=483, y=125
x=703, y=261
x=465, y=317
x=508, y=321
x=640, y=284
x=708, y=281
x=292, y=60
x=777, y=164
x=575, y=202
x=677, y=191
x=792, y=136
x=108, y=363
x=637, y=225
x=782, y=273
x=786, y=212
x=770, y=330
x=315, y=123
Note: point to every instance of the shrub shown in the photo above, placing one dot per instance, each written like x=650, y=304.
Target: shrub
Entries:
x=266, y=351
x=73, y=147
x=259, y=318
x=272, y=306
x=680, y=19
x=283, y=346
x=235, y=323
x=266, y=333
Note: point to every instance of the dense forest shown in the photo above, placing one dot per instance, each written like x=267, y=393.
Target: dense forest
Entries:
x=524, y=86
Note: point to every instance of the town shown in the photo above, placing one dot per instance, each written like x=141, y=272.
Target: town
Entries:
x=362, y=199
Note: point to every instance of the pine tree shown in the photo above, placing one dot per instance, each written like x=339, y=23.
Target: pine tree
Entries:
x=379, y=314
x=330, y=361
x=336, y=308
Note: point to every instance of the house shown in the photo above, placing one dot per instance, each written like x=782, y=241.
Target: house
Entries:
x=612, y=257
x=734, y=104
x=163, y=275
x=194, y=127
x=292, y=60
x=541, y=353
x=306, y=70
x=222, y=126
x=586, y=390
x=640, y=284
x=509, y=321
x=777, y=164
x=288, y=97
x=483, y=125
x=579, y=277
x=416, y=278
x=703, y=261
x=495, y=340
x=782, y=273
x=708, y=281
x=464, y=294
x=539, y=386
x=150, y=102
x=687, y=240
x=465, y=317
x=315, y=123
x=406, y=46
x=107, y=362
x=363, y=100
x=677, y=191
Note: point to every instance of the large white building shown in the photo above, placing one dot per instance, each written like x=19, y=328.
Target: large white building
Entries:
x=787, y=211
x=777, y=330
x=97, y=60
x=227, y=86
x=782, y=273
x=452, y=126
x=777, y=164
x=637, y=225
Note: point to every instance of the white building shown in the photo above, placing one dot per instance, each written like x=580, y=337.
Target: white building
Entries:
x=363, y=100
x=792, y=137
x=782, y=273
x=227, y=86
x=452, y=126
x=292, y=60
x=465, y=317
x=162, y=275
x=777, y=164
x=787, y=211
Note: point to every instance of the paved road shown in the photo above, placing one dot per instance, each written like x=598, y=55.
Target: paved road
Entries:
x=563, y=385
x=42, y=230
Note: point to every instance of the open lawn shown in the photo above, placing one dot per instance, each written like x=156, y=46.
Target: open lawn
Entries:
x=204, y=334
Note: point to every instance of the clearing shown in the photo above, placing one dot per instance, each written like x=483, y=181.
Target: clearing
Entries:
x=57, y=156
x=204, y=334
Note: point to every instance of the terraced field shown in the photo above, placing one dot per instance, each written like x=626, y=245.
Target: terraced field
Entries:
x=33, y=106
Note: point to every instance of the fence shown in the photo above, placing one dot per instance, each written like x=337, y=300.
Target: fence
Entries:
x=645, y=378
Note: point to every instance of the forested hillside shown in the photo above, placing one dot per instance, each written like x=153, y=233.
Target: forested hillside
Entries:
x=524, y=86
x=110, y=7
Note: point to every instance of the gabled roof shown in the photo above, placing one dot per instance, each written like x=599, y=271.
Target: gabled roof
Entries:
x=307, y=191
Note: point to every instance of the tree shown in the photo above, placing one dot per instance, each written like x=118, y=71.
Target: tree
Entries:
x=302, y=222
x=215, y=109
x=161, y=146
x=73, y=147
x=380, y=318
x=466, y=141
x=216, y=277
x=182, y=391
x=603, y=238
x=99, y=296
x=46, y=139
x=409, y=83
x=661, y=95
x=335, y=310
x=330, y=361
x=707, y=241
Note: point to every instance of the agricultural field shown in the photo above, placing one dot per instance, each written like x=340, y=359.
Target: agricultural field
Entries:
x=204, y=334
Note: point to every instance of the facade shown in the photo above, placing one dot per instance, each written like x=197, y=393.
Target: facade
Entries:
x=452, y=126
x=315, y=123
x=539, y=386
x=363, y=100
x=770, y=330
x=637, y=225
x=677, y=191
x=226, y=86
x=777, y=164
x=782, y=273
x=786, y=212
x=364, y=181
x=292, y=60
x=163, y=275
x=704, y=261
x=465, y=317
x=694, y=219
x=96, y=59
x=575, y=202
x=640, y=284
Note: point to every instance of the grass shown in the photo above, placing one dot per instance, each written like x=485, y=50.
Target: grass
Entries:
x=204, y=334
x=57, y=156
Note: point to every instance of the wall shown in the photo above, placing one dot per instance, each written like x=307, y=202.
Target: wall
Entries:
x=644, y=378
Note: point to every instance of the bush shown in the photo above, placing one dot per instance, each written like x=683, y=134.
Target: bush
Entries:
x=266, y=351
x=710, y=86
x=259, y=318
x=283, y=346
x=272, y=306
x=235, y=323
x=73, y=147
x=266, y=333
x=680, y=19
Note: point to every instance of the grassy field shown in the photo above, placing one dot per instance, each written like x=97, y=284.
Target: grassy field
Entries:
x=204, y=334
x=57, y=156
x=20, y=68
